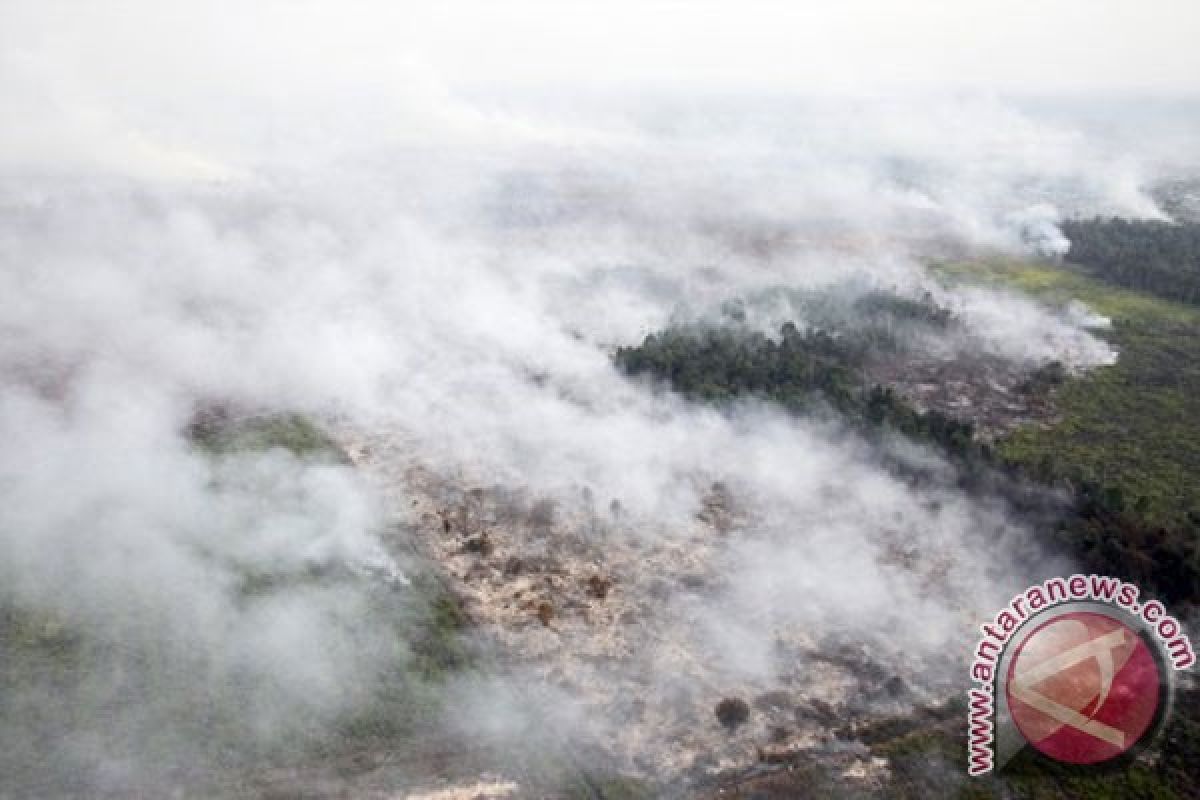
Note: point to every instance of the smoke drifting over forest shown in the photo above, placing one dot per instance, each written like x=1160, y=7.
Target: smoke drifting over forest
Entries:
x=379, y=250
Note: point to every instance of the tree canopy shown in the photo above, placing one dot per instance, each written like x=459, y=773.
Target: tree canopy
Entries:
x=1161, y=258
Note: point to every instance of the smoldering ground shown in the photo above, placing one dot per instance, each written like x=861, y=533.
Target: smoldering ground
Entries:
x=452, y=275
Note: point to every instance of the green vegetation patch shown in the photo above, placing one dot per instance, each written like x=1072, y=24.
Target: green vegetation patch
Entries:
x=1059, y=283
x=1134, y=426
x=804, y=372
x=217, y=432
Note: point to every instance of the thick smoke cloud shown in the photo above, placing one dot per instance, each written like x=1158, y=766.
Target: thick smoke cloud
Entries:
x=389, y=255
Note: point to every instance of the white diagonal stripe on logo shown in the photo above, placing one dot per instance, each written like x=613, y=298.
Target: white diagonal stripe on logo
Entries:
x=1100, y=649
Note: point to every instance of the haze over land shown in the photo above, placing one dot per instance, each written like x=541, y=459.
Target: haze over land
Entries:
x=428, y=231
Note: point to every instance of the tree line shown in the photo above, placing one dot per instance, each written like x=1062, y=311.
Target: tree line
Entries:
x=1161, y=258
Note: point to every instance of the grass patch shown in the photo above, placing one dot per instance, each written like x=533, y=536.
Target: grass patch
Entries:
x=1055, y=282
x=296, y=433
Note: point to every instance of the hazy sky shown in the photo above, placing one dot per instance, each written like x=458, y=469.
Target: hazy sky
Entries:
x=193, y=88
x=828, y=46
x=1024, y=45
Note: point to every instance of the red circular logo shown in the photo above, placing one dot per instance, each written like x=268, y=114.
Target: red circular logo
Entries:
x=1083, y=688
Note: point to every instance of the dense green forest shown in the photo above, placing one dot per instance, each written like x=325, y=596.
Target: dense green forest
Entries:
x=802, y=371
x=1162, y=258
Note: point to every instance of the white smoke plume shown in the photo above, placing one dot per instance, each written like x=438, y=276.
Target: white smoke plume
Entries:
x=244, y=220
